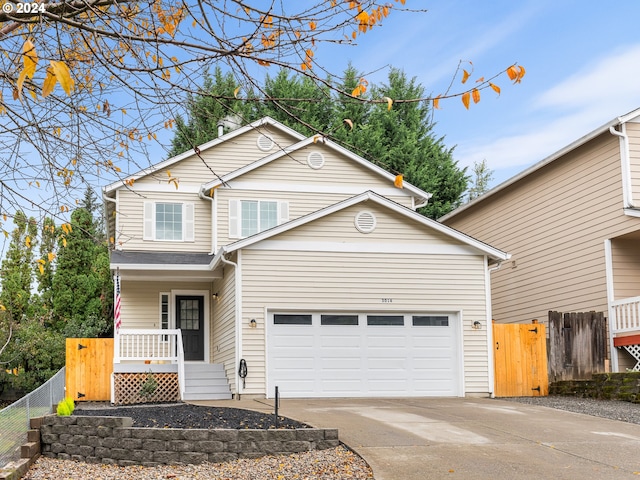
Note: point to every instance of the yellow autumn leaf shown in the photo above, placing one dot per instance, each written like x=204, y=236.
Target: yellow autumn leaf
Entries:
x=495, y=87
x=27, y=241
x=389, y=102
x=63, y=75
x=512, y=72
x=64, y=242
x=41, y=268
x=235, y=92
x=475, y=94
x=349, y=122
x=51, y=256
x=465, y=99
x=465, y=76
x=3, y=308
x=436, y=102
x=49, y=83
x=398, y=181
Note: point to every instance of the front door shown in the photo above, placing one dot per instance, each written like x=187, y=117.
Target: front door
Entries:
x=190, y=320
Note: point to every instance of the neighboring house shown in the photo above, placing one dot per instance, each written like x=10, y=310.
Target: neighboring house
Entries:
x=572, y=225
x=301, y=261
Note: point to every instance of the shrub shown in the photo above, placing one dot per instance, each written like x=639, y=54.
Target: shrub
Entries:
x=66, y=407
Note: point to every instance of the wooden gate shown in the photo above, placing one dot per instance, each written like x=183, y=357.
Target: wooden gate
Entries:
x=577, y=345
x=520, y=359
x=89, y=367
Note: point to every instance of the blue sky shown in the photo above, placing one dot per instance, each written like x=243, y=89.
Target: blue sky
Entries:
x=582, y=61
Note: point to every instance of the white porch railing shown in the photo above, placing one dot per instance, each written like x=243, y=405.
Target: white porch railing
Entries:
x=158, y=346
x=626, y=315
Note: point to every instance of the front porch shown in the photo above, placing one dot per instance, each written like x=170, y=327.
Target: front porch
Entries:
x=624, y=325
x=151, y=363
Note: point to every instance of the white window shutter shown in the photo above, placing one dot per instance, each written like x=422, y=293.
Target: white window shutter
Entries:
x=234, y=219
x=283, y=212
x=147, y=233
x=189, y=222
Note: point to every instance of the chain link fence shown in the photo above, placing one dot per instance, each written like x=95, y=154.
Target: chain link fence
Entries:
x=15, y=419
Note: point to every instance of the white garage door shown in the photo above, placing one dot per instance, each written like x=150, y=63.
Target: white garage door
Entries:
x=363, y=355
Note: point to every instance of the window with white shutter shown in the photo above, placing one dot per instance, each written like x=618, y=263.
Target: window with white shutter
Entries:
x=169, y=221
x=248, y=217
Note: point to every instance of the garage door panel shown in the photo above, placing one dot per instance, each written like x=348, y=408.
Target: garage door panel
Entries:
x=364, y=360
x=382, y=339
x=354, y=341
x=293, y=341
x=342, y=363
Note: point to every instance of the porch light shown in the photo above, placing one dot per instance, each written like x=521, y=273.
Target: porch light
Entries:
x=215, y=296
x=253, y=323
x=477, y=325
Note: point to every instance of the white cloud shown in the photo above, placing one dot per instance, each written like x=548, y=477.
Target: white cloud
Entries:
x=564, y=113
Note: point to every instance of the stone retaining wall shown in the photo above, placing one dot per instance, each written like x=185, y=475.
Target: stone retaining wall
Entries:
x=112, y=440
x=604, y=386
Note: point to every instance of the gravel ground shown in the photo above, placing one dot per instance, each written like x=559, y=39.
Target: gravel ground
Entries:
x=612, y=409
x=332, y=464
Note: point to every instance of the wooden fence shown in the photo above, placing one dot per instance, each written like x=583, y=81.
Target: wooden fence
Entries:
x=577, y=345
x=520, y=359
x=89, y=366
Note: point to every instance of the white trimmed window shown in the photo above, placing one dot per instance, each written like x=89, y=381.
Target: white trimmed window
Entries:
x=248, y=217
x=169, y=221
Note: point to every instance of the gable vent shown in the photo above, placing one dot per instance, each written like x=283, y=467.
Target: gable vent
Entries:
x=265, y=143
x=365, y=222
x=315, y=160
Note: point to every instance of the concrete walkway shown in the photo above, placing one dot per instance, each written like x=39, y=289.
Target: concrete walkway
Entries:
x=419, y=439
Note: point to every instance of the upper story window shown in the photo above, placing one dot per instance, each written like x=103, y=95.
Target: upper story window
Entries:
x=169, y=221
x=248, y=217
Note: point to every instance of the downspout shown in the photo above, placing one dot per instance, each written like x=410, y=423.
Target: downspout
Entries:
x=492, y=367
x=626, y=164
x=214, y=226
x=106, y=216
x=238, y=287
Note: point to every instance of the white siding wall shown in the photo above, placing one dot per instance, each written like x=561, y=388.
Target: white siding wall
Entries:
x=357, y=281
x=339, y=281
x=130, y=222
x=633, y=131
x=223, y=333
x=221, y=159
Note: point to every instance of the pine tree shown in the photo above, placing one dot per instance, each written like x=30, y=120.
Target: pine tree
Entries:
x=400, y=140
x=17, y=269
x=82, y=287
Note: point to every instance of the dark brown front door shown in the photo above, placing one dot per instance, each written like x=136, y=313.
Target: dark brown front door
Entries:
x=190, y=320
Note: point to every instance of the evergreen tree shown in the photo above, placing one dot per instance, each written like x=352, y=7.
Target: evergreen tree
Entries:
x=17, y=269
x=307, y=117
x=215, y=101
x=45, y=270
x=400, y=139
x=82, y=286
x=482, y=176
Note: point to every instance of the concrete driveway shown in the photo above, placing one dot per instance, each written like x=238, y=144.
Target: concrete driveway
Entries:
x=407, y=439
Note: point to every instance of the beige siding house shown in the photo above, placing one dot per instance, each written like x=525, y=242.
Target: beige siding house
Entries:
x=571, y=223
x=270, y=260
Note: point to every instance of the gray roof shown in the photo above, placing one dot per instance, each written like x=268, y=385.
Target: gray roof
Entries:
x=159, y=258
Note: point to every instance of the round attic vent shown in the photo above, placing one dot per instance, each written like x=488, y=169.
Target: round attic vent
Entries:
x=365, y=222
x=315, y=160
x=265, y=143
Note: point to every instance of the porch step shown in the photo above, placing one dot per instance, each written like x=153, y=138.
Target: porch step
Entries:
x=206, y=381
